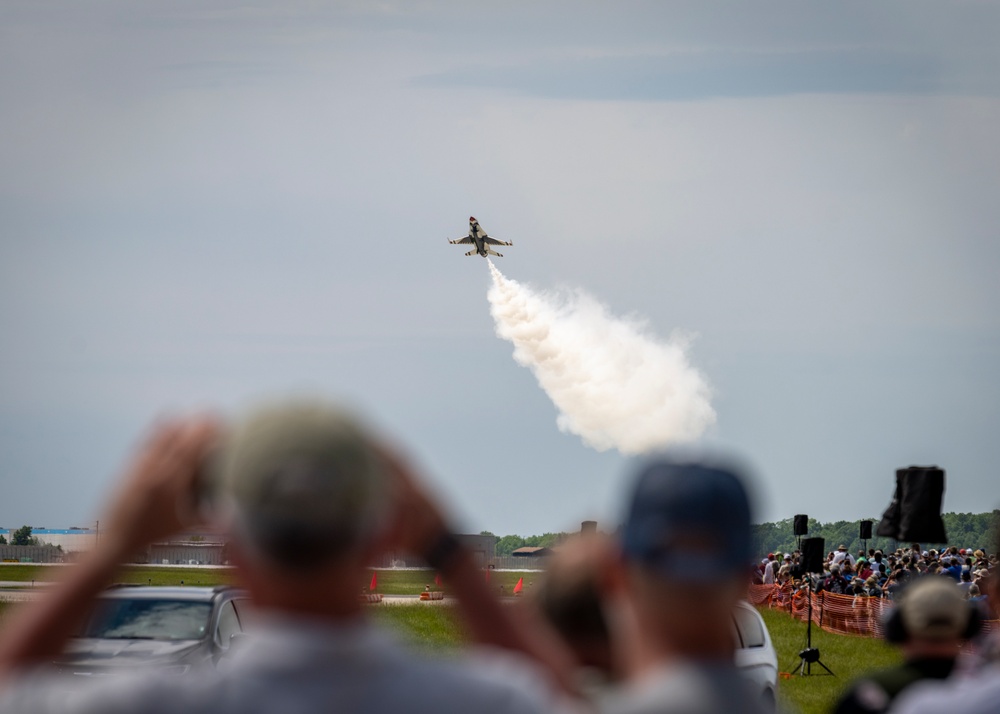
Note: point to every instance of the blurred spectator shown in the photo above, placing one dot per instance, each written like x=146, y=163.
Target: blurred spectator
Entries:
x=966, y=582
x=864, y=568
x=930, y=623
x=569, y=599
x=309, y=497
x=975, y=693
x=769, y=571
x=669, y=598
x=872, y=586
x=797, y=570
x=842, y=555
x=835, y=583
x=784, y=574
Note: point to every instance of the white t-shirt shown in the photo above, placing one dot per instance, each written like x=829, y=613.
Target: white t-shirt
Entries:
x=769, y=573
x=840, y=556
x=300, y=666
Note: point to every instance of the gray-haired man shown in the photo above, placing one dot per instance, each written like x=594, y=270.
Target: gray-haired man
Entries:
x=310, y=497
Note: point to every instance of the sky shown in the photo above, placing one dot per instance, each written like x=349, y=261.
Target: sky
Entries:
x=207, y=204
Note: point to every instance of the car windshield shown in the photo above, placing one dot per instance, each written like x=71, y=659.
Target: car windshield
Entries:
x=145, y=619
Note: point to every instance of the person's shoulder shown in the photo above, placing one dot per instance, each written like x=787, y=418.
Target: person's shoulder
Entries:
x=973, y=695
x=673, y=689
x=892, y=680
x=682, y=689
x=155, y=692
x=482, y=679
x=876, y=690
x=864, y=695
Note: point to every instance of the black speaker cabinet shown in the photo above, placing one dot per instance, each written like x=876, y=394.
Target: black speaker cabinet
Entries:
x=813, y=554
x=914, y=515
x=801, y=524
x=866, y=530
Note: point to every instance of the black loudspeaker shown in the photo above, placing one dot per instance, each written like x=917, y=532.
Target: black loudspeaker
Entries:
x=813, y=554
x=866, y=530
x=914, y=515
x=801, y=524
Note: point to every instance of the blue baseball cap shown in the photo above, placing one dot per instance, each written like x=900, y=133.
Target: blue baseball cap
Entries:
x=689, y=521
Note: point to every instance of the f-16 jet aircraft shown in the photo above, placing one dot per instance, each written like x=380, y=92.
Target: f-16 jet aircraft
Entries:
x=482, y=241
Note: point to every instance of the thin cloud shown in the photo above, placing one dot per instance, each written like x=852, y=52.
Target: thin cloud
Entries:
x=693, y=76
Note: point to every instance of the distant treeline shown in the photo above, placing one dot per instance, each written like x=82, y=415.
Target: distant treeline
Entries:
x=965, y=530
x=509, y=543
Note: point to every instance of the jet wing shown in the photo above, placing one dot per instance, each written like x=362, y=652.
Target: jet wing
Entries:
x=494, y=241
x=467, y=240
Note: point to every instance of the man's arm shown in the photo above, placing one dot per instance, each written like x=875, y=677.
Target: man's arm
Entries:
x=421, y=529
x=154, y=500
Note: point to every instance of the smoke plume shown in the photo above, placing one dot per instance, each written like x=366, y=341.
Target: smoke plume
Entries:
x=615, y=384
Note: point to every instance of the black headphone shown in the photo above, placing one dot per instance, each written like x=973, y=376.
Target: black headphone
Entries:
x=895, y=632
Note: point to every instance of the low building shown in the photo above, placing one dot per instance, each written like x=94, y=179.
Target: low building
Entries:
x=202, y=547
x=31, y=554
x=529, y=551
x=482, y=547
x=187, y=553
x=71, y=540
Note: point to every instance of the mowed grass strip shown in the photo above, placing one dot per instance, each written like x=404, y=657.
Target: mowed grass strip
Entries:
x=131, y=574
x=848, y=656
x=414, y=582
x=388, y=582
x=426, y=627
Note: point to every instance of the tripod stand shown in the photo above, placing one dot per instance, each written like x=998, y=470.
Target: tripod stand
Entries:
x=810, y=655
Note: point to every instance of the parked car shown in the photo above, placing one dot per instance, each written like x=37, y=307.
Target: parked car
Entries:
x=175, y=628
x=755, y=655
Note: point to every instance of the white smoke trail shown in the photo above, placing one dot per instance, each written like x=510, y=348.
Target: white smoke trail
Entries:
x=615, y=384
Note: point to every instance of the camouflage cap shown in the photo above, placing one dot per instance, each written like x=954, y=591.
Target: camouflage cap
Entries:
x=933, y=608
x=305, y=468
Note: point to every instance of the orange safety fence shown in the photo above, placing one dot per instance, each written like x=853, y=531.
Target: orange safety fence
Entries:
x=841, y=614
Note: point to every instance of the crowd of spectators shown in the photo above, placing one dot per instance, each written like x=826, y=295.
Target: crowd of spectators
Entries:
x=309, y=494
x=932, y=604
x=873, y=573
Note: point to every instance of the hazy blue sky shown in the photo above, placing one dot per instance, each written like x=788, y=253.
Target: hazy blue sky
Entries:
x=204, y=203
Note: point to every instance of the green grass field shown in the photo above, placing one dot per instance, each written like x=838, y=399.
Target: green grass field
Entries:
x=436, y=628
x=133, y=574
x=848, y=657
x=424, y=627
x=390, y=582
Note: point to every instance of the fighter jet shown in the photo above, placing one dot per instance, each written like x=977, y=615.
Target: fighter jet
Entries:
x=482, y=241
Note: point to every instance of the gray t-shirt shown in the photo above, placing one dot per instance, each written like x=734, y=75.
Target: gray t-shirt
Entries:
x=979, y=694
x=685, y=688
x=300, y=666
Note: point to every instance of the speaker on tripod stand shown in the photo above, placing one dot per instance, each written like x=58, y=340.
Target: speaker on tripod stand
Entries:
x=865, y=533
x=812, y=563
x=800, y=527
